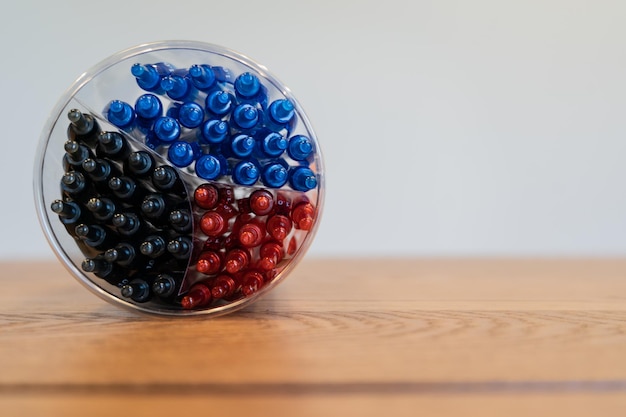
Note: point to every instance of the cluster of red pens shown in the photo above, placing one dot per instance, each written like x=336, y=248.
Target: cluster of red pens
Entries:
x=247, y=240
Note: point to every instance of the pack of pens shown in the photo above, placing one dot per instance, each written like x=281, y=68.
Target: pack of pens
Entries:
x=179, y=178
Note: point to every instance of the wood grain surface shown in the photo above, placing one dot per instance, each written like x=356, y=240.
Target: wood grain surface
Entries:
x=339, y=337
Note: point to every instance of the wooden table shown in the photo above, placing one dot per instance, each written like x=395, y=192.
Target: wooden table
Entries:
x=338, y=337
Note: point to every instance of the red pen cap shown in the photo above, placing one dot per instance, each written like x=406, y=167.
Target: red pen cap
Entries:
x=303, y=216
x=271, y=254
x=223, y=286
x=198, y=296
x=213, y=224
x=232, y=240
x=261, y=202
x=279, y=226
x=252, y=281
x=209, y=263
x=206, y=196
x=251, y=234
x=236, y=260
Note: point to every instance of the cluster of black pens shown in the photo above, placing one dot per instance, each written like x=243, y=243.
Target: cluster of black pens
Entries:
x=130, y=217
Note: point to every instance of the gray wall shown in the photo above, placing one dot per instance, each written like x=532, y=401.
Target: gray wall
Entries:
x=449, y=127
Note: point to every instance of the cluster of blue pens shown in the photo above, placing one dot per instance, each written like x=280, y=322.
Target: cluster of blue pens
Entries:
x=217, y=126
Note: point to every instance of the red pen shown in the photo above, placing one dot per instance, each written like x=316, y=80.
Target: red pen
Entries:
x=279, y=226
x=252, y=281
x=226, y=195
x=206, y=196
x=213, y=223
x=292, y=246
x=303, y=215
x=252, y=233
x=236, y=260
x=283, y=204
x=261, y=202
x=209, y=262
x=271, y=253
x=223, y=287
x=198, y=296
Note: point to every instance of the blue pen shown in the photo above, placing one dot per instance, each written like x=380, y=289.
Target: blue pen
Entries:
x=219, y=103
x=121, y=114
x=215, y=131
x=302, y=179
x=281, y=115
x=271, y=144
x=152, y=141
x=249, y=89
x=177, y=87
x=166, y=129
x=173, y=110
x=190, y=115
x=210, y=167
x=223, y=75
x=245, y=173
x=182, y=153
x=202, y=77
x=149, y=76
x=245, y=116
x=274, y=175
x=247, y=85
x=148, y=108
x=240, y=146
x=300, y=148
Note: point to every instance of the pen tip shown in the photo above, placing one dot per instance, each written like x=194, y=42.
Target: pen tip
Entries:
x=71, y=146
x=127, y=291
x=57, y=206
x=74, y=115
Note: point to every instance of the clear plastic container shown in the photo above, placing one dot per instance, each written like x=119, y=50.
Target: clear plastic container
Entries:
x=179, y=178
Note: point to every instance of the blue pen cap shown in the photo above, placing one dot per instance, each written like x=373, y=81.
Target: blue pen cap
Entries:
x=281, y=111
x=302, y=179
x=121, y=114
x=147, y=76
x=245, y=173
x=148, y=107
x=247, y=85
x=245, y=116
x=202, y=77
x=273, y=144
x=219, y=103
x=209, y=167
x=300, y=148
x=177, y=87
x=181, y=153
x=274, y=175
x=242, y=146
x=190, y=115
x=215, y=131
x=166, y=129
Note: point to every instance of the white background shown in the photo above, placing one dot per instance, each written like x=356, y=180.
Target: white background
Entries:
x=448, y=127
